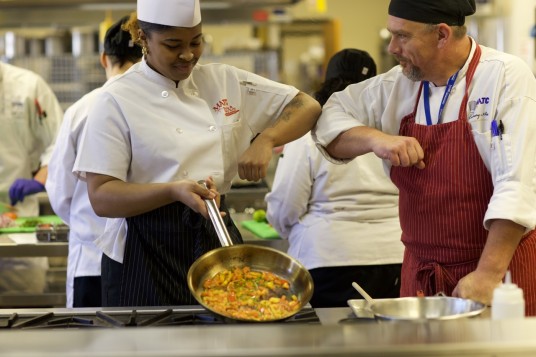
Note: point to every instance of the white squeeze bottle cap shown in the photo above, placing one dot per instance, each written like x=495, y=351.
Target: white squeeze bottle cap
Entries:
x=508, y=301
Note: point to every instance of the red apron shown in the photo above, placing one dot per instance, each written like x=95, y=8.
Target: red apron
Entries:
x=442, y=209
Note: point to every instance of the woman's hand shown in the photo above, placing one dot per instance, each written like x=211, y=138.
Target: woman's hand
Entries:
x=212, y=187
x=193, y=195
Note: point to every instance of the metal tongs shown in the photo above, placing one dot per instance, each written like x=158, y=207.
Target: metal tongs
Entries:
x=217, y=220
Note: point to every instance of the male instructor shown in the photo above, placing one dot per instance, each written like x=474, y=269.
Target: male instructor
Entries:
x=454, y=124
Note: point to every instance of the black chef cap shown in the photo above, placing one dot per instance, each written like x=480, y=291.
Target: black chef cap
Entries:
x=118, y=42
x=451, y=12
x=351, y=64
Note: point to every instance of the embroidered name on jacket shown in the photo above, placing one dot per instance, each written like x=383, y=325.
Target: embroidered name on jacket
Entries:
x=481, y=113
x=227, y=108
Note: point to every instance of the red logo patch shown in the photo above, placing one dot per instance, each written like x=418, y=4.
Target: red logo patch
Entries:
x=227, y=108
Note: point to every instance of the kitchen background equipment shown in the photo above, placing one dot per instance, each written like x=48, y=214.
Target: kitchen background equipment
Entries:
x=49, y=233
x=257, y=258
x=417, y=308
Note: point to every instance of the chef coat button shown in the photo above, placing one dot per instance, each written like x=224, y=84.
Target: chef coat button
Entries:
x=196, y=93
x=185, y=173
x=212, y=128
x=165, y=94
x=179, y=130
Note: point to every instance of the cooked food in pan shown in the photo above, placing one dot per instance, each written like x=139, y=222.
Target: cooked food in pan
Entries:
x=249, y=295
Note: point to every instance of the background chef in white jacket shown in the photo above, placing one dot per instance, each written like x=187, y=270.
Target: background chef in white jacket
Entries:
x=30, y=116
x=341, y=221
x=158, y=129
x=68, y=195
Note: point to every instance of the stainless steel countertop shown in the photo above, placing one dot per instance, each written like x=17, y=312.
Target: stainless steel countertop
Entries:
x=463, y=337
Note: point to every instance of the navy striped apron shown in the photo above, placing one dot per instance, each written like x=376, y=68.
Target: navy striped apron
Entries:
x=160, y=248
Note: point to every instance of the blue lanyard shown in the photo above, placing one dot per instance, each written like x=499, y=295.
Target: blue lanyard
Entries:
x=426, y=98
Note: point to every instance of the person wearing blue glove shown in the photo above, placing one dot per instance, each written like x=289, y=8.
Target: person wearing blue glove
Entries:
x=22, y=188
x=29, y=123
x=28, y=127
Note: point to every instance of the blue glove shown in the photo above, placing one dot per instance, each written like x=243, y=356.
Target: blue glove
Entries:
x=24, y=187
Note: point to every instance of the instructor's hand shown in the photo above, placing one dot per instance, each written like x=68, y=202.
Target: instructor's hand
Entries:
x=402, y=151
x=477, y=286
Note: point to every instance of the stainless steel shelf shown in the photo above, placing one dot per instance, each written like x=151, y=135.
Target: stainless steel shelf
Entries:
x=8, y=248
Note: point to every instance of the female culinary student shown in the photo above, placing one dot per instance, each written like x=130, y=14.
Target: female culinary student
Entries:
x=154, y=132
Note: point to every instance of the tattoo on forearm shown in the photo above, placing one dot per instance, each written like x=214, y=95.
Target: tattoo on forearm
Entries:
x=295, y=104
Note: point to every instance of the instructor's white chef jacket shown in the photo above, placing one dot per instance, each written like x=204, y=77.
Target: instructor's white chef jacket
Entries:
x=69, y=197
x=144, y=129
x=503, y=88
x=334, y=215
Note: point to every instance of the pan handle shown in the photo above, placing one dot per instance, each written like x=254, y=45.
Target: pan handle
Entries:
x=217, y=220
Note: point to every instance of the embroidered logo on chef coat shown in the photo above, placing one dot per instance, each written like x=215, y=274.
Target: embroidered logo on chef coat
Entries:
x=227, y=108
x=481, y=104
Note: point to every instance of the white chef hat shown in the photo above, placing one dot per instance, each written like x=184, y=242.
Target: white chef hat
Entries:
x=177, y=13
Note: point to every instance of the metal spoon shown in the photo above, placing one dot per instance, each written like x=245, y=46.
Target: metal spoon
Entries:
x=363, y=293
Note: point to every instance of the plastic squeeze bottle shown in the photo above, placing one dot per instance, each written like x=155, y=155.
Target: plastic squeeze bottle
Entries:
x=508, y=301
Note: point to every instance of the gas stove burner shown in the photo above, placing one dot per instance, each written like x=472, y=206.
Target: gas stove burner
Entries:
x=133, y=319
x=194, y=319
x=304, y=317
x=126, y=318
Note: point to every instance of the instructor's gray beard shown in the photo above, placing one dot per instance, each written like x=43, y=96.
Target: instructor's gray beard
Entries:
x=413, y=73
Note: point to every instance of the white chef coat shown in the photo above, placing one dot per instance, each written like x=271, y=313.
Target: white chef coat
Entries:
x=69, y=197
x=25, y=144
x=503, y=88
x=26, y=141
x=144, y=128
x=334, y=215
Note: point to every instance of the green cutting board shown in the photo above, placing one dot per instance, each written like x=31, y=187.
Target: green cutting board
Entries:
x=21, y=220
x=261, y=229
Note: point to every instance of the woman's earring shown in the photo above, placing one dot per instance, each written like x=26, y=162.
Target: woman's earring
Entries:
x=144, y=51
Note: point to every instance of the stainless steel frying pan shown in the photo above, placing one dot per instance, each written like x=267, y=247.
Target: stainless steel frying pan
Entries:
x=256, y=257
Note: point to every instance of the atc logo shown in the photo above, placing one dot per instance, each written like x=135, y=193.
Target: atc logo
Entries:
x=473, y=105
